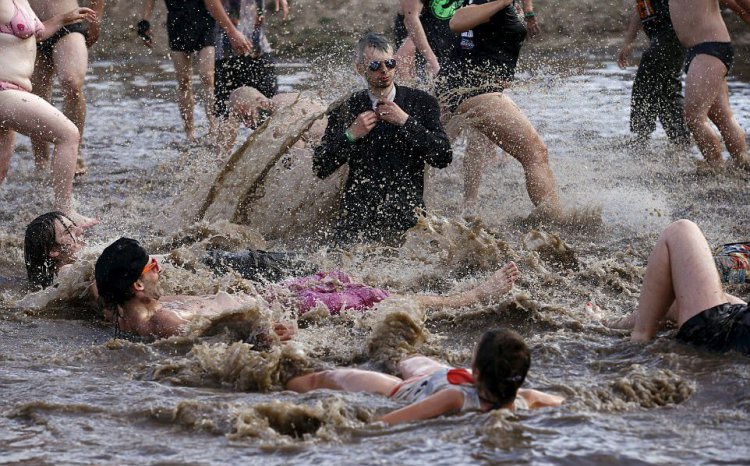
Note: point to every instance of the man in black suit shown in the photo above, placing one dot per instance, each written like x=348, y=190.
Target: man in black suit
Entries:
x=385, y=134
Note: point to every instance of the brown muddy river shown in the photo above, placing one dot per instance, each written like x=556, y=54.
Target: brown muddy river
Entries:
x=73, y=395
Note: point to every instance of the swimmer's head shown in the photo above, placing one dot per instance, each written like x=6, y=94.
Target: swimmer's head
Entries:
x=118, y=269
x=51, y=241
x=250, y=106
x=501, y=362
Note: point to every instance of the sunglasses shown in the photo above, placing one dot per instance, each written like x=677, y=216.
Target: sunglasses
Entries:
x=375, y=64
x=151, y=265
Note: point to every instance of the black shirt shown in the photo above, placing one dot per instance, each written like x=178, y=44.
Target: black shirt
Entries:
x=386, y=167
x=487, y=41
x=655, y=17
x=436, y=16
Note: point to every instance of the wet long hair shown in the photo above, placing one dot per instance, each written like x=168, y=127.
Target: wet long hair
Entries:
x=502, y=360
x=37, y=245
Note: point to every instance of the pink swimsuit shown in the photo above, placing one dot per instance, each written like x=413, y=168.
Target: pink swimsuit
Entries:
x=23, y=25
x=335, y=290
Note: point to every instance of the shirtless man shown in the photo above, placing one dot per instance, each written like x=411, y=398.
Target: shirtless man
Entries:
x=701, y=29
x=127, y=281
x=65, y=54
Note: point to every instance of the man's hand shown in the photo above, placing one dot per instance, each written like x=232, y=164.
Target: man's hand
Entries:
x=532, y=26
x=391, y=113
x=144, y=32
x=240, y=44
x=79, y=14
x=95, y=28
x=285, y=330
x=363, y=124
x=284, y=8
x=624, y=56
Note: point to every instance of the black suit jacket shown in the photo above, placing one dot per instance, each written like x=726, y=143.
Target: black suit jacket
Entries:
x=386, y=167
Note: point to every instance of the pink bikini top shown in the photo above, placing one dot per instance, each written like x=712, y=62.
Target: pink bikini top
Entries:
x=22, y=25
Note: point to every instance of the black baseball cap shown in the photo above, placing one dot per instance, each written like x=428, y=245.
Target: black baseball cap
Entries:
x=119, y=266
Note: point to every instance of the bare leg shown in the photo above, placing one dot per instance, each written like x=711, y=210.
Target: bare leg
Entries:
x=71, y=61
x=704, y=82
x=206, y=71
x=348, y=380
x=680, y=269
x=478, y=151
x=734, y=137
x=494, y=288
x=183, y=70
x=33, y=116
x=498, y=118
x=7, y=145
x=41, y=81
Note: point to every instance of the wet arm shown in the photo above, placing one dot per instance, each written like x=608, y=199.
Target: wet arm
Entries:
x=471, y=16
x=428, y=136
x=627, y=41
x=148, y=8
x=740, y=7
x=442, y=402
x=412, y=10
x=334, y=148
x=239, y=42
x=53, y=24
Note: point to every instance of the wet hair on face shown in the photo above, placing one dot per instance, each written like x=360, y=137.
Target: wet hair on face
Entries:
x=502, y=360
x=373, y=40
x=38, y=242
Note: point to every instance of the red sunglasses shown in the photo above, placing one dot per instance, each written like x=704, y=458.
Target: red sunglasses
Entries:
x=152, y=264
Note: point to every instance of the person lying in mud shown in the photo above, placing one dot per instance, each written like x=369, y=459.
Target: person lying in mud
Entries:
x=499, y=367
x=682, y=284
x=127, y=280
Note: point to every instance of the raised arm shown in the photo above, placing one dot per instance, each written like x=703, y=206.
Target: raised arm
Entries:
x=627, y=41
x=740, y=7
x=442, y=402
x=239, y=42
x=471, y=16
x=412, y=9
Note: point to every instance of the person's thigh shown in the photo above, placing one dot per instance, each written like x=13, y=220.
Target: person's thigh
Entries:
x=33, y=116
x=703, y=85
x=41, y=79
x=206, y=60
x=182, y=67
x=71, y=61
x=498, y=117
x=7, y=144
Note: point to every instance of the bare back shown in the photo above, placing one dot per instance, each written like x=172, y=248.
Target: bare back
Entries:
x=697, y=21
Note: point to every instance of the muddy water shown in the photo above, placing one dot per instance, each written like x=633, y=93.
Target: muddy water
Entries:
x=71, y=394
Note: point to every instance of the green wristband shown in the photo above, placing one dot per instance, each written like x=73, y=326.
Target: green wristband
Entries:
x=349, y=136
x=528, y=15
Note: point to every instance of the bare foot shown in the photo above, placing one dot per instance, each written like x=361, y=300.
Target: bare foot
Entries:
x=739, y=163
x=81, y=221
x=499, y=284
x=80, y=167
x=710, y=167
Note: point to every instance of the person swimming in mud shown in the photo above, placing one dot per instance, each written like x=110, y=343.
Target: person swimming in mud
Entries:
x=499, y=367
x=127, y=281
x=682, y=284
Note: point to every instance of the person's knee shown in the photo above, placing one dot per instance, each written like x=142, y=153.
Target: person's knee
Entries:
x=72, y=84
x=535, y=154
x=680, y=228
x=69, y=134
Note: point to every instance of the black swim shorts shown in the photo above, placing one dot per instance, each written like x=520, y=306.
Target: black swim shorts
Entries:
x=721, y=50
x=190, y=31
x=235, y=72
x=46, y=47
x=725, y=327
